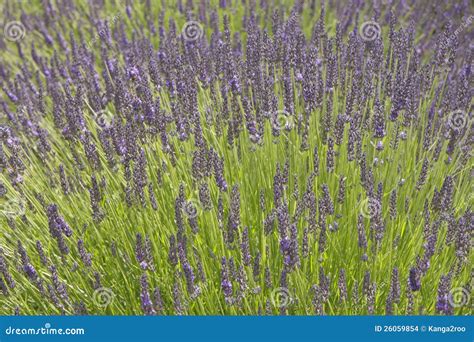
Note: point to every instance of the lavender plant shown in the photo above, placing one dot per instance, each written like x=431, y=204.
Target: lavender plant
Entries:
x=236, y=157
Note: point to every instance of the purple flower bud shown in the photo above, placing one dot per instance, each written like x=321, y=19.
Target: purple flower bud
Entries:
x=225, y=282
x=315, y=161
x=146, y=303
x=85, y=257
x=189, y=274
x=268, y=278
x=371, y=295
x=157, y=298
x=3, y=287
x=342, y=285
x=330, y=156
x=443, y=304
x=423, y=174
x=219, y=171
x=245, y=247
x=177, y=299
x=139, y=249
x=414, y=279
x=234, y=216
x=327, y=204
x=395, y=286
x=393, y=204
x=379, y=120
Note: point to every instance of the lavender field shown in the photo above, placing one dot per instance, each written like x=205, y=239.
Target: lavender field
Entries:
x=236, y=157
